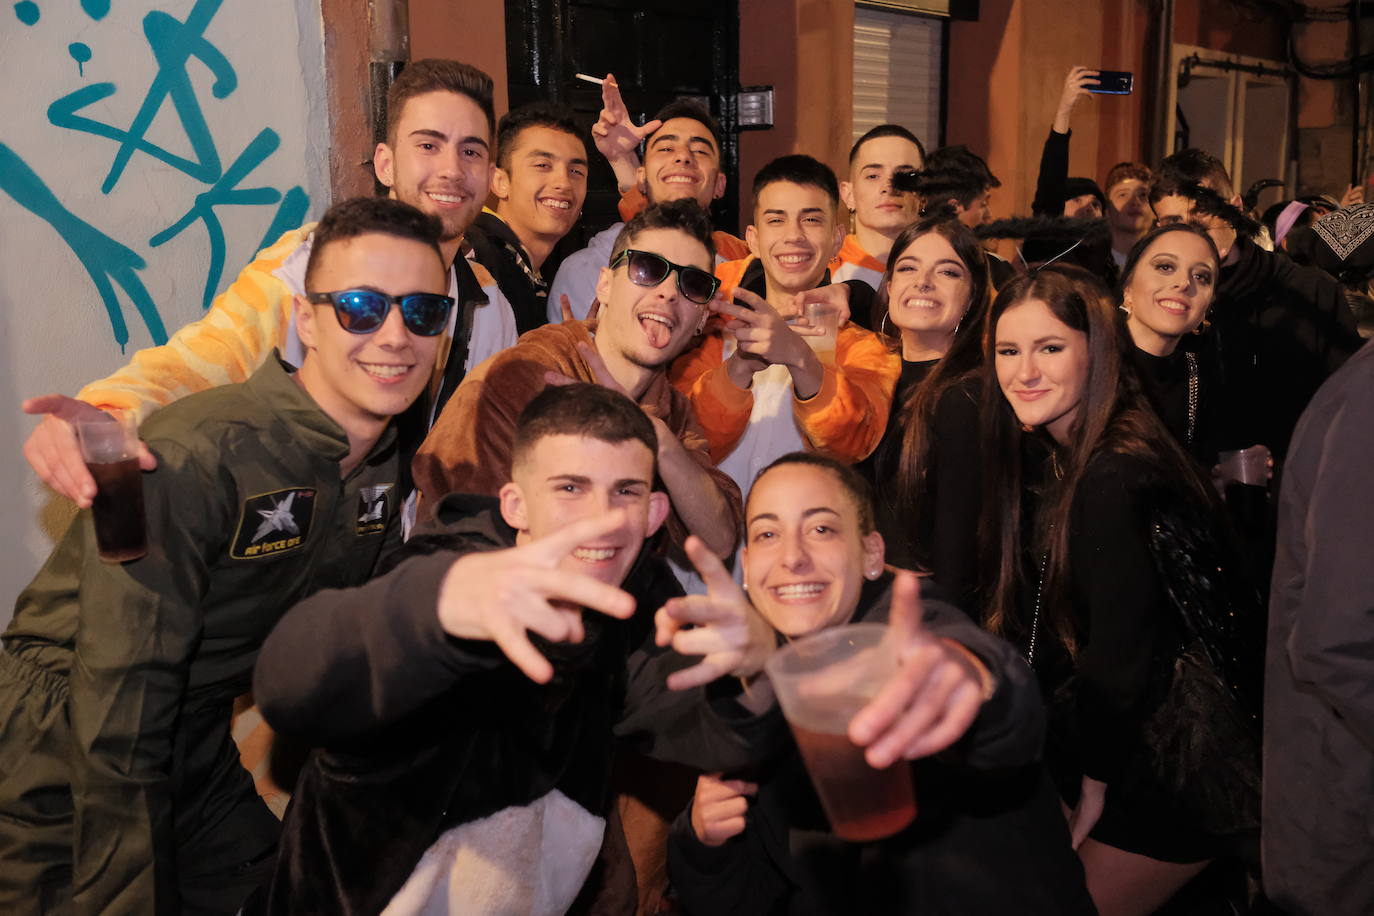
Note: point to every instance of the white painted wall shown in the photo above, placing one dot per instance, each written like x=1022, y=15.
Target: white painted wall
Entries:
x=55, y=332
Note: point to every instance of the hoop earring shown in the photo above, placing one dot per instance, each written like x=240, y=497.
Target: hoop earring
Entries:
x=882, y=325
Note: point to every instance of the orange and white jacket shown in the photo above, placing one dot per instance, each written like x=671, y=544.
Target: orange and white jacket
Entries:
x=747, y=428
x=853, y=263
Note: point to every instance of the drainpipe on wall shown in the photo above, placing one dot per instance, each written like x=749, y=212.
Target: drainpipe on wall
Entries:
x=1160, y=145
x=1357, y=103
x=388, y=50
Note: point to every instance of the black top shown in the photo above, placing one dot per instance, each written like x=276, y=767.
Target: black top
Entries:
x=1053, y=188
x=417, y=731
x=1170, y=382
x=988, y=836
x=1278, y=330
x=942, y=537
x=1129, y=635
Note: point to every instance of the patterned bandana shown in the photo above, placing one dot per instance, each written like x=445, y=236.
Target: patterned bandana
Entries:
x=1346, y=230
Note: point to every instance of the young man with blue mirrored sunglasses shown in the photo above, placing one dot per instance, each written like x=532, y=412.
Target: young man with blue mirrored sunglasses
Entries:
x=118, y=681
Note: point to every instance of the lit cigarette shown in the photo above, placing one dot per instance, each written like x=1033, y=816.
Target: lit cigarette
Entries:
x=590, y=79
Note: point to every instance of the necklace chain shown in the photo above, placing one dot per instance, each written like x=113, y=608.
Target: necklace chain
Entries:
x=1035, y=619
x=1192, y=394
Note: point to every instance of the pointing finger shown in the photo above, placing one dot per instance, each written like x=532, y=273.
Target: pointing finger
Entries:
x=719, y=582
x=754, y=300
x=904, y=618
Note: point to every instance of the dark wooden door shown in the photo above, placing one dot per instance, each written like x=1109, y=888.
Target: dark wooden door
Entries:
x=657, y=50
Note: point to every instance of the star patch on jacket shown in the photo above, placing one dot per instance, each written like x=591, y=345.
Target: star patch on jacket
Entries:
x=374, y=507
x=273, y=523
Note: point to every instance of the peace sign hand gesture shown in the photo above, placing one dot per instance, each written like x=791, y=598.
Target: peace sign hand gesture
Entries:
x=498, y=595
x=614, y=133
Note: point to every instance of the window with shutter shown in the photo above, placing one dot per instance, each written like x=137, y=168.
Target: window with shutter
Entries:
x=897, y=73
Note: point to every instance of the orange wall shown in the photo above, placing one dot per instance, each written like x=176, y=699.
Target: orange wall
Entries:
x=473, y=31
x=1005, y=74
x=804, y=49
x=1005, y=80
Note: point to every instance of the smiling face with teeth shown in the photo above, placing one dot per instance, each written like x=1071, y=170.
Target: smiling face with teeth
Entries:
x=564, y=478
x=928, y=293
x=1169, y=289
x=806, y=553
x=363, y=380
x=794, y=235
x=681, y=160
x=541, y=187
x=439, y=161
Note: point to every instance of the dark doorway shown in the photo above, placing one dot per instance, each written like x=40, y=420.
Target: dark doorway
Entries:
x=657, y=50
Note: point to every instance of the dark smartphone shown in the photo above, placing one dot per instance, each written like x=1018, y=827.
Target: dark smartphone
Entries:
x=1113, y=82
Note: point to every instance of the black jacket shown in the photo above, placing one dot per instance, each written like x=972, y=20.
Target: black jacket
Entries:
x=418, y=732
x=1278, y=329
x=498, y=249
x=988, y=836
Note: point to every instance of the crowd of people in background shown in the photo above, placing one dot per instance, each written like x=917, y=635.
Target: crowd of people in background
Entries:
x=501, y=566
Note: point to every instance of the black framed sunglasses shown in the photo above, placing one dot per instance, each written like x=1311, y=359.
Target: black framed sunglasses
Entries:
x=362, y=311
x=648, y=269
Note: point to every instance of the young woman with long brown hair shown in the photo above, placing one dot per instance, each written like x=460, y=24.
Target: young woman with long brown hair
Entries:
x=1074, y=552
x=932, y=300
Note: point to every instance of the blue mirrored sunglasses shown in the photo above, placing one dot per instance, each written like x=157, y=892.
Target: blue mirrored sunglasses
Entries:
x=362, y=311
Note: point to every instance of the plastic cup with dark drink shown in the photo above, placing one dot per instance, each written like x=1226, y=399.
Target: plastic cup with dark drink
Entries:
x=109, y=447
x=822, y=681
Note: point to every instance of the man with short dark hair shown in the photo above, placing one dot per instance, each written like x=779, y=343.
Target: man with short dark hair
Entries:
x=959, y=180
x=464, y=705
x=118, y=681
x=654, y=291
x=880, y=212
x=539, y=183
x=437, y=158
x=682, y=148
x=757, y=387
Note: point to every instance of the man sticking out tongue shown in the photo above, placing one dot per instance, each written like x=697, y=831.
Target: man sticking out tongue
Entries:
x=654, y=292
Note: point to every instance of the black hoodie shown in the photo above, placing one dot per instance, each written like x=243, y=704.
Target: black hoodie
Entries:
x=418, y=732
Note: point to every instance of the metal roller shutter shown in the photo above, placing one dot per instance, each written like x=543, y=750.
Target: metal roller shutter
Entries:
x=897, y=73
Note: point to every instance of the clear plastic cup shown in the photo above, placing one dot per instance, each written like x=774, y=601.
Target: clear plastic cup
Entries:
x=1252, y=466
x=822, y=315
x=109, y=446
x=821, y=681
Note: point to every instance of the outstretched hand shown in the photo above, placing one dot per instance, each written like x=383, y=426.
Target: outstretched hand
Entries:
x=501, y=595
x=931, y=700
x=53, y=452
x=721, y=626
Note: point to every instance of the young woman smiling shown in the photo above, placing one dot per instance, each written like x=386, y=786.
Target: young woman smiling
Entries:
x=988, y=836
x=1073, y=553
x=933, y=298
x=1167, y=286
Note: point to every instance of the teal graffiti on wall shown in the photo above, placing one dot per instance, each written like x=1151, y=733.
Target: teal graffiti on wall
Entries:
x=110, y=263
